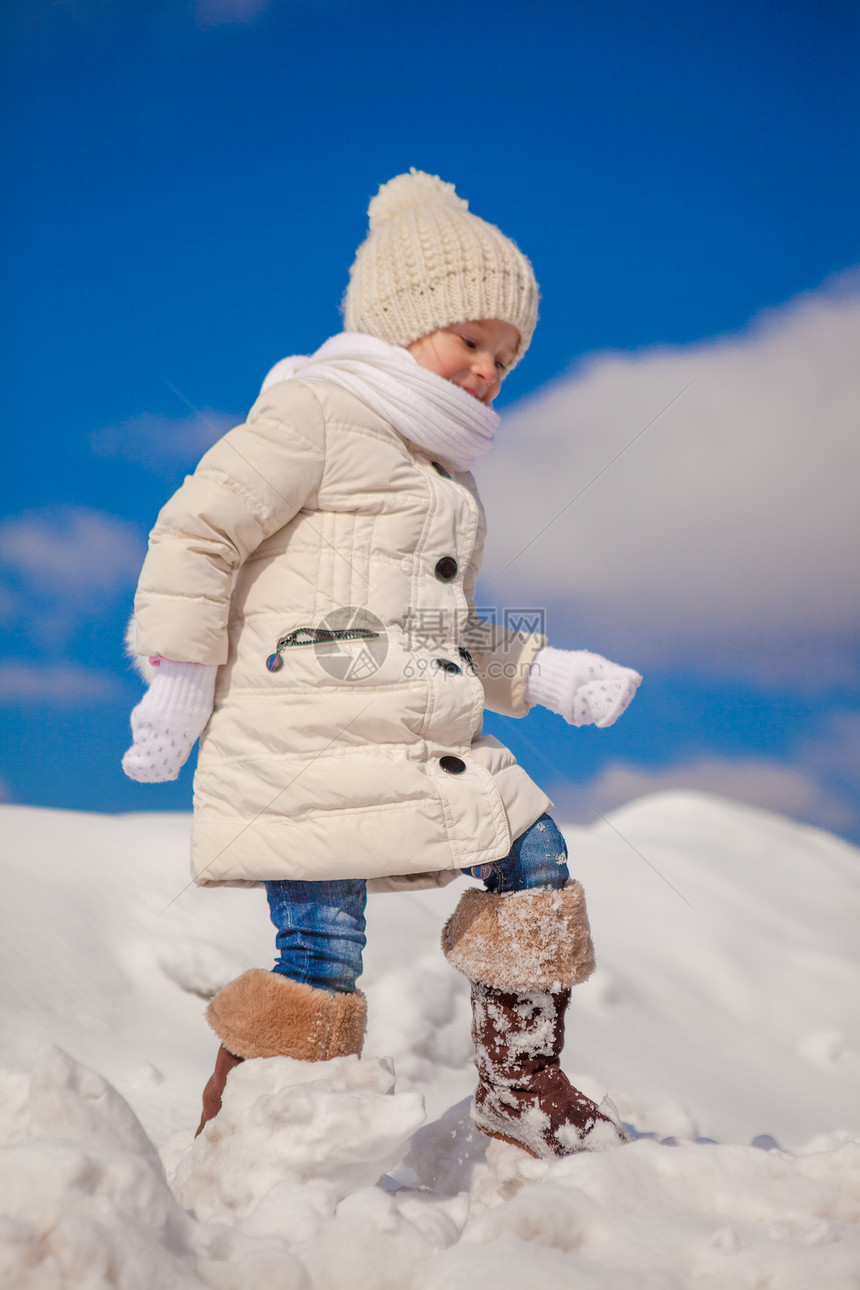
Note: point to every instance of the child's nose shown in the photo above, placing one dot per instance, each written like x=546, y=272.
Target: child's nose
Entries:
x=485, y=367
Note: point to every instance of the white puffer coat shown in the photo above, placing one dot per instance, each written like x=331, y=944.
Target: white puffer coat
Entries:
x=302, y=532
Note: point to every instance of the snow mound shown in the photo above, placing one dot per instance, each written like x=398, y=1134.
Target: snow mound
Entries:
x=725, y=1002
x=84, y=1197
x=86, y=1204
x=721, y=1217
x=334, y=1126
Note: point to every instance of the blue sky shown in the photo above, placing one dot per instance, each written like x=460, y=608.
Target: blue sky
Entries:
x=187, y=184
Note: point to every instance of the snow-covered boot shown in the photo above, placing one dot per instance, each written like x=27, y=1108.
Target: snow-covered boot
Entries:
x=522, y=952
x=266, y=1014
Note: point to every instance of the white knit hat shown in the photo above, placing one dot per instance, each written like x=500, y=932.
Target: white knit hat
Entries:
x=427, y=263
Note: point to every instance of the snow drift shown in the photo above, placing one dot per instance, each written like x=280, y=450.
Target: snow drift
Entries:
x=725, y=1007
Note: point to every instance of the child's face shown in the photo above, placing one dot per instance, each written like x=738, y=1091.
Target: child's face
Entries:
x=474, y=355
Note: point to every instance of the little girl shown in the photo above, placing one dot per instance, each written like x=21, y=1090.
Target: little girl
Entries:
x=308, y=601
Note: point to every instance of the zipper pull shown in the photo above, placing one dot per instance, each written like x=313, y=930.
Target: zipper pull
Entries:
x=274, y=662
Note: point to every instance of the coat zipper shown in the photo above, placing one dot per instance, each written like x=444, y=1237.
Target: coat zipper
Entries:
x=314, y=636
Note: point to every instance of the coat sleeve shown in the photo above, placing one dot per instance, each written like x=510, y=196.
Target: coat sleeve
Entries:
x=502, y=657
x=251, y=483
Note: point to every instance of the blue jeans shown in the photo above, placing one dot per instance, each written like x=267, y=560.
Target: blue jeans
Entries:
x=320, y=925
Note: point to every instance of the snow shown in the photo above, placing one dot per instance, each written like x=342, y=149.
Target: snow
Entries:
x=725, y=1006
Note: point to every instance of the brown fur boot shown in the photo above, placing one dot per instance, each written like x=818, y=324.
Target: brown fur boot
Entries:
x=522, y=953
x=214, y=1090
x=265, y=1014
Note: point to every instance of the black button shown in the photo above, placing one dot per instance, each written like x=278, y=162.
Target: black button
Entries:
x=440, y=470
x=447, y=666
x=453, y=765
x=466, y=657
x=446, y=568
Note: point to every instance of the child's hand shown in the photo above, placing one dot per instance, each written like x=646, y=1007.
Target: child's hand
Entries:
x=168, y=720
x=586, y=689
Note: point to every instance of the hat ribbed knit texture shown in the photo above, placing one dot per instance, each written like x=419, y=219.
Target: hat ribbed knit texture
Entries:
x=428, y=262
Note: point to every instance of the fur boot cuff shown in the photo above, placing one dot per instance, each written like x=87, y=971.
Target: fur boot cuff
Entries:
x=528, y=940
x=265, y=1014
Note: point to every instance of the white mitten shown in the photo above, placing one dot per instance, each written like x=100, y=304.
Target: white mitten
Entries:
x=584, y=688
x=169, y=719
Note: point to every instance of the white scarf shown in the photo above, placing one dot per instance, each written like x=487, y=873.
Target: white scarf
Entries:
x=425, y=408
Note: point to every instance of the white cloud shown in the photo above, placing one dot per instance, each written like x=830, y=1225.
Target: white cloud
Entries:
x=217, y=13
x=8, y=604
x=725, y=535
x=72, y=550
x=774, y=786
x=63, y=684
x=65, y=567
x=158, y=442
x=834, y=750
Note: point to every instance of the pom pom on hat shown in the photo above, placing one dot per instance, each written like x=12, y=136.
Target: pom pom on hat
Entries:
x=415, y=189
x=429, y=262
